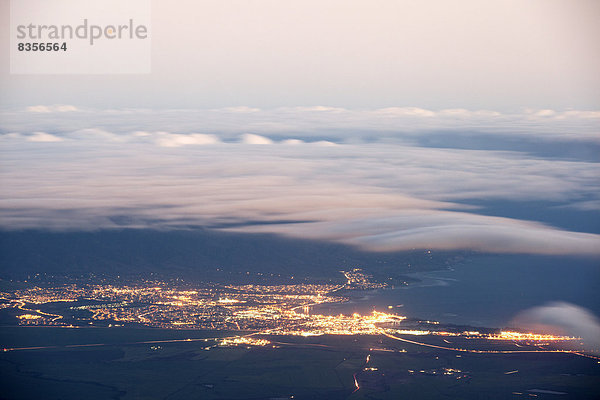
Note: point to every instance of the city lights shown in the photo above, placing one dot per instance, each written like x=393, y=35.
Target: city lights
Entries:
x=257, y=312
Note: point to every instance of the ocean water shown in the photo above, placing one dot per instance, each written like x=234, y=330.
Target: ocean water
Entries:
x=486, y=290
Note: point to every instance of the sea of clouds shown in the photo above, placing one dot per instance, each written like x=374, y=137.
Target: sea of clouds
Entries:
x=386, y=179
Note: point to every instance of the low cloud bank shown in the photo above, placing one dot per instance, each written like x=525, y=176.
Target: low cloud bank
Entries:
x=561, y=318
x=442, y=230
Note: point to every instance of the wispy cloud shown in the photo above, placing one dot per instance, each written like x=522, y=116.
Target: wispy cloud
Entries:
x=44, y=137
x=51, y=109
x=166, y=139
x=249, y=138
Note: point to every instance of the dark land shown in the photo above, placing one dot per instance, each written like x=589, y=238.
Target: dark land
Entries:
x=305, y=368
x=132, y=362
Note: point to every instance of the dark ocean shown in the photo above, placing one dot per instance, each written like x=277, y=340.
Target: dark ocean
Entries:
x=486, y=290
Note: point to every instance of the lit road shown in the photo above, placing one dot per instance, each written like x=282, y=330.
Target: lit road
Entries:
x=314, y=345
x=485, y=351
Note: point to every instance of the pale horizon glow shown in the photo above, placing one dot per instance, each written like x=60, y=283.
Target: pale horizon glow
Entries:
x=501, y=55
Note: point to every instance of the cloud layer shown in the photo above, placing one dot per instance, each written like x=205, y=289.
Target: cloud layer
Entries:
x=110, y=168
x=337, y=123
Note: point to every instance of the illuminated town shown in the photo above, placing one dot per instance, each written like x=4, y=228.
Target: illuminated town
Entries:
x=257, y=312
